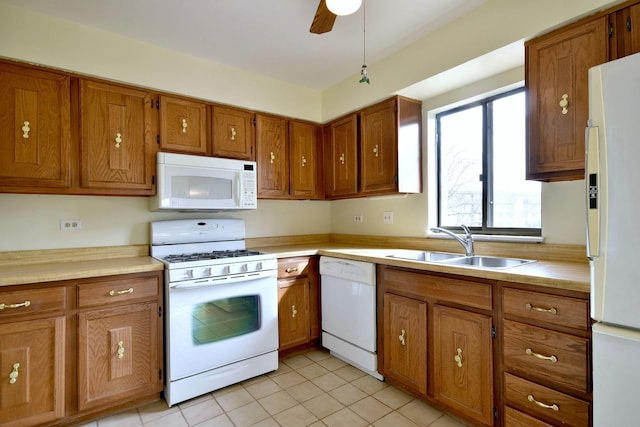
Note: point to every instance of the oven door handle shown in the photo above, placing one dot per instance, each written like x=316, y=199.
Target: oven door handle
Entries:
x=216, y=281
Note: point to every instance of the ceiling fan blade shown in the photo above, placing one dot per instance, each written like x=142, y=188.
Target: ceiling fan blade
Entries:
x=324, y=19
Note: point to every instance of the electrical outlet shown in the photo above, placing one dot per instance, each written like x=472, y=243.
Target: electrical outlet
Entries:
x=70, y=224
x=358, y=218
x=387, y=217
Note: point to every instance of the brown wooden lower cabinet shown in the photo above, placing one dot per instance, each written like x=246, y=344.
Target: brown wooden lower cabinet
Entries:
x=76, y=349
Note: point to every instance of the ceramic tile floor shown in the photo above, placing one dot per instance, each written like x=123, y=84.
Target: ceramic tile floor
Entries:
x=309, y=389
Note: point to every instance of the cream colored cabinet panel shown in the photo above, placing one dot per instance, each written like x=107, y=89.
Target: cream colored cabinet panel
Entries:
x=35, y=135
x=184, y=126
x=32, y=365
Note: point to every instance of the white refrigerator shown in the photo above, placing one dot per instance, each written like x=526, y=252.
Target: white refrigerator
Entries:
x=613, y=239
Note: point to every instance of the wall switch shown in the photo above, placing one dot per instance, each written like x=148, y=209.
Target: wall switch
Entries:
x=358, y=218
x=70, y=224
x=387, y=217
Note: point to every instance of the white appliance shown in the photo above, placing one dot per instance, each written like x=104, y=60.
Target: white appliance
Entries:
x=348, y=301
x=221, y=306
x=199, y=183
x=613, y=206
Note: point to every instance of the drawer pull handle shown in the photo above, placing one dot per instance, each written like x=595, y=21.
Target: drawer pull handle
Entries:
x=375, y=150
x=118, y=139
x=403, y=337
x=26, y=129
x=13, y=376
x=551, y=358
x=291, y=269
x=27, y=303
x=120, y=349
x=272, y=157
x=122, y=292
x=564, y=103
x=341, y=158
x=551, y=310
x=542, y=405
x=293, y=311
x=458, y=357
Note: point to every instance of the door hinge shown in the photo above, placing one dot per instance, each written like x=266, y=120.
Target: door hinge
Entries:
x=493, y=332
x=254, y=121
x=495, y=413
x=158, y=104
x=628, y=23
x=153, y=180
x=157, y=139
x=610, y=30
x=160, y=374
x=159, y=308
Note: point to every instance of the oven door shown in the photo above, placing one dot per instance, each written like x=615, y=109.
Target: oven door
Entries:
x=213, y=325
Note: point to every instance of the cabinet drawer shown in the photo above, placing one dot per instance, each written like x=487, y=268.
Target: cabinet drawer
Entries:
x=293, y=266
x=118, y=290
x=542, y=401
x=421, y=286
x=515, y=418
x=554, y=309
x=31, y=301
x=561, y=359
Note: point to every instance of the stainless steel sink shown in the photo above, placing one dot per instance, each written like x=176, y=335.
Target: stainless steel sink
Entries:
x=487, y=261
x=429, y=256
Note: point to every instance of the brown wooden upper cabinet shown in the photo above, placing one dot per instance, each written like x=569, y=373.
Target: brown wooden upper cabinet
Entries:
x=35, y=136
x=272, y=156
x=557, y=83
x=387, y=137
x=184, y=126
x=624, y=32
x=305, y=161
x=117, y=139
x=341, y=157
x=233, y=133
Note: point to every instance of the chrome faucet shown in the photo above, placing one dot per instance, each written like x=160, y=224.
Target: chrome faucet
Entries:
x=466, y=241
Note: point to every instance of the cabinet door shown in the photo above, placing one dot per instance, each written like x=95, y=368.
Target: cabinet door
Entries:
x=272, y=156
x=293, y=312
x=405, y=341
x=624, y=32
x=32, y=355
x=462, y=362
x=117, y=140
x=558, y=99
x=378, y=148
x=183, y=126
x=305, y=167
x=117, y=354
x=341, y=157
x=34, y=129
x=233, y=133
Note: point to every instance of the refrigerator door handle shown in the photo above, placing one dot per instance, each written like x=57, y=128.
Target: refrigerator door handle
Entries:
x=592, y=169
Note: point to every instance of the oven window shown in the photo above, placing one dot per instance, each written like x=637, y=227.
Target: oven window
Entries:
x=225, y=318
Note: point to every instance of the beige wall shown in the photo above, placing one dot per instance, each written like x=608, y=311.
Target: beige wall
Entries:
x=32, y=221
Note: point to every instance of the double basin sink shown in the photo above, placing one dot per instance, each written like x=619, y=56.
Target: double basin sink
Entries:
x=448, y=258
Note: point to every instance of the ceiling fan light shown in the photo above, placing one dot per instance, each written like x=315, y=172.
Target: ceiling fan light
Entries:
x=343, y=7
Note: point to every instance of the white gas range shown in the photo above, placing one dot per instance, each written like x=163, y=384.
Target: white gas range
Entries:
x=221, y=322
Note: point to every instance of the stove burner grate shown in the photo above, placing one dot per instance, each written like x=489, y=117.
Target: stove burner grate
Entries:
x=198, y=256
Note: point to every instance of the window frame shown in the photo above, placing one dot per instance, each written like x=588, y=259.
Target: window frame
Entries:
x=487, y=168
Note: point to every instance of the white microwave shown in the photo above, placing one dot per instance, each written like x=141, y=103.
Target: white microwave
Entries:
x=198, y=183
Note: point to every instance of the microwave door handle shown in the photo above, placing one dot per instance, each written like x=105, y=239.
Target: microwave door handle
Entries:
x=592, y=184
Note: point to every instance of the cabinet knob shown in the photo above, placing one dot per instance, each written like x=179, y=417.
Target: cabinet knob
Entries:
x=554, y=407
x=342, y=158
x=184, y=125
x=403, y=337
x=233, y=133
x=303, y=161
x=13, y=376
x=272, y=157
x=25, y=129
x=27, y=303
x=120, y=349
x=458, y=357
x=293, y=311
x=564, y=103
x=118, y=139
x=375, y=150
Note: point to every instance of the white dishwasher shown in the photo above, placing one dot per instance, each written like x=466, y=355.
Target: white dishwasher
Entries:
x=348, y=296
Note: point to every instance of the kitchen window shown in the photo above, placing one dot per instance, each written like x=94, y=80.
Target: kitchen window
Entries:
x=480, y=150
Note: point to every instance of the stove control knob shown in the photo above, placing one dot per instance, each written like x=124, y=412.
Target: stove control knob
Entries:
x=259, y=266
x=226, y=269
x=189, y=274
x=244, y=268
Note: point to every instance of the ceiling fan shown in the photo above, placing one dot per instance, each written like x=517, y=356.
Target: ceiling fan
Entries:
x=327, y=12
